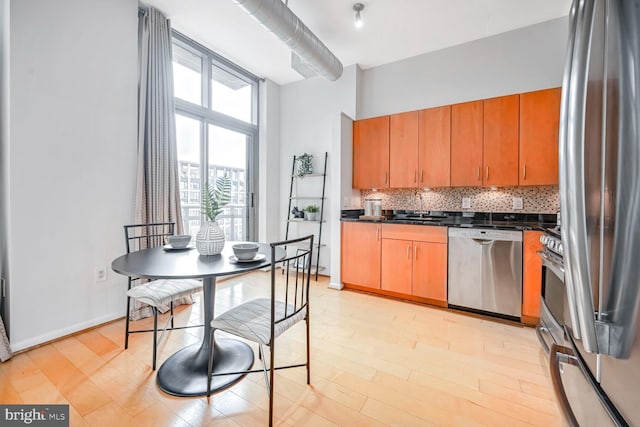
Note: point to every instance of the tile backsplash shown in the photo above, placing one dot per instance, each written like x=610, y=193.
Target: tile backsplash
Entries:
x=535, y=199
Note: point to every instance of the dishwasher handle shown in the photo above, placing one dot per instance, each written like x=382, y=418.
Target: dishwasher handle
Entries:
x=485, y=234
x=484, y=242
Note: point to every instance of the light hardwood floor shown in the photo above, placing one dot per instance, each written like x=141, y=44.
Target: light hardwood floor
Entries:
x=375, y=362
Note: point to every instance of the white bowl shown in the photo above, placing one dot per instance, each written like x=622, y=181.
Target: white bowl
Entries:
x=245, y=251
x=179, y=241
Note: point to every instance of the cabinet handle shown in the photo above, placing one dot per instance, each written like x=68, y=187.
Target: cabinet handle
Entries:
x=408, y=251
x=415, y=176
x=524, y=173
x=385, y=177
x=478, y=173
x=415, y=252
x=422, y=175
x=378, y=233
x=487, y=173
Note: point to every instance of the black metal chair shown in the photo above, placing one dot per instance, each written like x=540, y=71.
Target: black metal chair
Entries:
x=157, y=294
x=262, y=320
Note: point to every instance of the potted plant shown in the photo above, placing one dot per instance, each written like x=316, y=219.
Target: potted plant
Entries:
x=312, y=212
x=210, y=238
x=305, y=164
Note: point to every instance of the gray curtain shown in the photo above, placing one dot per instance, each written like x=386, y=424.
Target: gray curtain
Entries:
x=5, y=348
x=157, y=187
x=157, y=195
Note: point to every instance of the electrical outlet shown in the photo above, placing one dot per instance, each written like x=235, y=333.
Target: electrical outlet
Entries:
x=466, y=203
x=101, y=274
x=517, y=203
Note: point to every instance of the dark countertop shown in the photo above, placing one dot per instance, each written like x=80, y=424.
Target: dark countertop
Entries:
x=502, y=221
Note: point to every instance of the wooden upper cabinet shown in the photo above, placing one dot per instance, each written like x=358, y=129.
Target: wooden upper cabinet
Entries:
x=434, y=150
x=371, y=153
x=539, y=124
x=531, y=277
x=500, y=147
x=403, y=150
x=466, y=144
x=360, y=254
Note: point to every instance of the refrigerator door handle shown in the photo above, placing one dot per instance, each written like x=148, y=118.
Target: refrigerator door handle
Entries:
x=557, y=355
x=565, y=195
x=572, y=182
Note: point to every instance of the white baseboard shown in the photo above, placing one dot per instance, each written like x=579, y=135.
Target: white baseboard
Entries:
x=336, y=286
x=58, y=333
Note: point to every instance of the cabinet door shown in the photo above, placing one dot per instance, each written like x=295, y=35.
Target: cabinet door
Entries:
x=360, y=254
x=403, y=150
x=434, y=151
x=466, y=144
x=396, y=265
x=531, y=277
x=371, y=153
x=500, y=146
x=430, y=270
x=539, y=123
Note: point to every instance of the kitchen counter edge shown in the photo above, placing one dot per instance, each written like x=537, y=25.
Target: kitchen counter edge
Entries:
x=521, y=226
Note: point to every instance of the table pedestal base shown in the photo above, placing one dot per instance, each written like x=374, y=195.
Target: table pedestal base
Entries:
x=185, y=373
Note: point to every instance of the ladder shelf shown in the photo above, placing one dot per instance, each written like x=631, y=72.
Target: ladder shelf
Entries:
x=319, y=222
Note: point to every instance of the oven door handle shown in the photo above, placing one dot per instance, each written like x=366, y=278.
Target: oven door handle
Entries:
x=557, y=355
x=539, y=331
x=555, y=266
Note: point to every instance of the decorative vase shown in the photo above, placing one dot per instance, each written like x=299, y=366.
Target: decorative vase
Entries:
x=210, y=239
x=312, y=216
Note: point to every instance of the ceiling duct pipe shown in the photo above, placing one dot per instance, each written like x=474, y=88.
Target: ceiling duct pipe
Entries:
x=281, y=21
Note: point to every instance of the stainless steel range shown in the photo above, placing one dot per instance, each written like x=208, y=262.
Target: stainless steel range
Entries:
x=553, y=298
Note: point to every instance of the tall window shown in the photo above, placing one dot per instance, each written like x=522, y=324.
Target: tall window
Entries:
x=216, y=127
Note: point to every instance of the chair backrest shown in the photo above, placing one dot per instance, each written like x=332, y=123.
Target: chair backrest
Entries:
x=144, y=236
x=291, y=284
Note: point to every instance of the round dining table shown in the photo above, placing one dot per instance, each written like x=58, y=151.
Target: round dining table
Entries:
x=185, y=372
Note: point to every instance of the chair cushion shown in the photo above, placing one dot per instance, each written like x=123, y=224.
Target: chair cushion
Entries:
x=162, y=291
x=252, y=320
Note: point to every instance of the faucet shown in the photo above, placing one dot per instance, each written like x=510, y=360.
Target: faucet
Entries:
x=419, y=194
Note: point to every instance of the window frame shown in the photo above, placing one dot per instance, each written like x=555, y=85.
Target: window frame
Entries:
x=206, y=116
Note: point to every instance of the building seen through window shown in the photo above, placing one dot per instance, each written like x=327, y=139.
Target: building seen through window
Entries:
x=232, y=218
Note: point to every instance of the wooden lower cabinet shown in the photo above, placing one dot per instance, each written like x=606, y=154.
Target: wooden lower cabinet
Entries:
x=360, y=254
x=430, y=270
x=531, y=277
x=415, y=267
x=397, y=265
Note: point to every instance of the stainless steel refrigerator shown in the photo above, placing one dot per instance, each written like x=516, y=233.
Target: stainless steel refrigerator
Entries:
x=596, y=374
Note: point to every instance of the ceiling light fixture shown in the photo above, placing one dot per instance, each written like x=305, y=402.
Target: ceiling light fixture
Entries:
x=358, y=8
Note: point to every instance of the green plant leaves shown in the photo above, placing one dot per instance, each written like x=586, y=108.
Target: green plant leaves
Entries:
x=215, y=198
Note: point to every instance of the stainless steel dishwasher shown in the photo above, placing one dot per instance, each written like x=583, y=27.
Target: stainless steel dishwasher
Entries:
x=485, y=270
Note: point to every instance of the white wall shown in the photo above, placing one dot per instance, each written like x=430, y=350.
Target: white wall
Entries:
x=269, y=163
x=72, y=156
x=310, y=120
x=522, y=60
